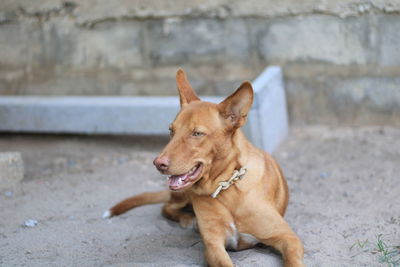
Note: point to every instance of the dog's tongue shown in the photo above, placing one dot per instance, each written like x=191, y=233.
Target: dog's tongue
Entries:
x=176, y=180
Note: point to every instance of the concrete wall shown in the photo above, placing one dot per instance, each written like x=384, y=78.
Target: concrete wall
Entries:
x=341, y=59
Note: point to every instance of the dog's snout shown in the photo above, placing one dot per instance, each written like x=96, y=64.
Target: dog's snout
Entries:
x=161, y=163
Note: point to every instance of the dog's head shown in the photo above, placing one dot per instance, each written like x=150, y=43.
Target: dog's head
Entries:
x=201, y=133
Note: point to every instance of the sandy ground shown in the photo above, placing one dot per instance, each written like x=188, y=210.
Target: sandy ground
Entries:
x=344, y=184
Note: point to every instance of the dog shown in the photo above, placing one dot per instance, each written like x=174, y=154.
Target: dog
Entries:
x=235, y=193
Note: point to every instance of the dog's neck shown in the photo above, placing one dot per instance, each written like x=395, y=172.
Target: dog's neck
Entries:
x=223, y=166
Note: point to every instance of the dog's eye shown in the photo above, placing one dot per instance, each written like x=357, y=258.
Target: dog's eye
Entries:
x=197, y=133
x=171, y=132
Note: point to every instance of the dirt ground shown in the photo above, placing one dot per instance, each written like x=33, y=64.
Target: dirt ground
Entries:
x=344, y=185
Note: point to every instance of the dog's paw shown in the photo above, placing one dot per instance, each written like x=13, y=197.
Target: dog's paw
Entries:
x=107, y=214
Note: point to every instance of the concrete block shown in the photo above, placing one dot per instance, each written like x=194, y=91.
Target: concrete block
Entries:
x=11, y=169
x=109, y=44
x=178, y=41
x=197, y=41
x=13, y=45
x=318, y=38
x=29, y=43
x=337, y=100
x=389, y=40
x=236, y=41
x=267, y=124
x=365, y=100
x=58, y=42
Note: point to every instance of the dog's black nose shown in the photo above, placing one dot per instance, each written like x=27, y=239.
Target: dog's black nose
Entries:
x=161, y=163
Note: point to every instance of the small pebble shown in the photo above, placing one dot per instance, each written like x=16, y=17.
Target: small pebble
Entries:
x=323, y=175
x=30, y=223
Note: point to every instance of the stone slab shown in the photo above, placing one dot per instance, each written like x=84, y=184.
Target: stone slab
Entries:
x=267, y=126
x=269, y=113
x=334, y=40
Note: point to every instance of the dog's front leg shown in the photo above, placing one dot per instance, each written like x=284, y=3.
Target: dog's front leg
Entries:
x=213, y=221
x=215, y=252
x=270, y=228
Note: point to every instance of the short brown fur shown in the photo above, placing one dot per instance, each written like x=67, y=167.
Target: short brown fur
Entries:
x=254, y=205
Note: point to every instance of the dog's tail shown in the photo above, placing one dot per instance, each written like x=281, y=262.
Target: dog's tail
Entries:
x=136, y=201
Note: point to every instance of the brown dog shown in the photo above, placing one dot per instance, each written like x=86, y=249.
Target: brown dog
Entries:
x=237, y=192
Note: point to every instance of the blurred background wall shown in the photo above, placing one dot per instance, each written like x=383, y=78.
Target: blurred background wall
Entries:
x=341, y=59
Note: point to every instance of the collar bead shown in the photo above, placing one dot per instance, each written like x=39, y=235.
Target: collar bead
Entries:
x=237, y=174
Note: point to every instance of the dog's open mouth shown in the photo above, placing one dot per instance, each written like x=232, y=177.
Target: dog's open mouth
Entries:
x=181, y=181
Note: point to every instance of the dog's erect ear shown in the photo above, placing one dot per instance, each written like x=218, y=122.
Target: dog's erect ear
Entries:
x=186, y=92
x=235, y=107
